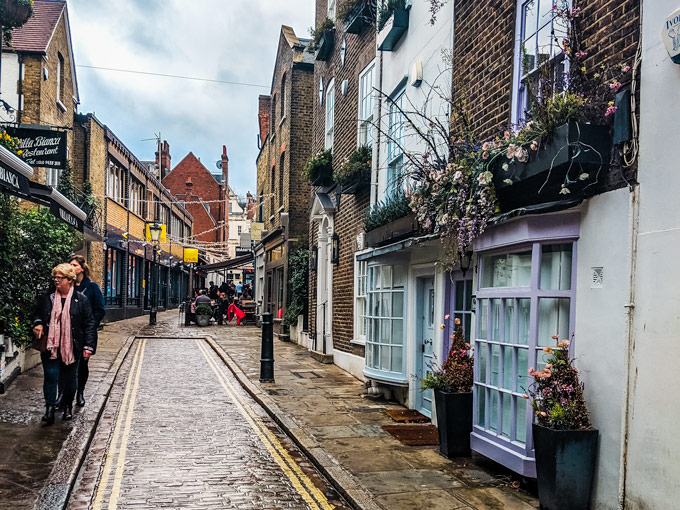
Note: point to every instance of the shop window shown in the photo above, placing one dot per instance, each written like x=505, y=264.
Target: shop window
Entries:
x=360, y=300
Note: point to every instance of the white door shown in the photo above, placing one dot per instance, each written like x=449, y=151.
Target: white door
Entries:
x=425, y=330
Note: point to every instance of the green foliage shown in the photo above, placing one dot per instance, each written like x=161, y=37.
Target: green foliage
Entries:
x=9, y=19
x=456, y=374
x=31, y=244
x=386, y=9
x=10, y=143
x=358, y=162
x=323, y=160
x=65, y=185
x=316, y=33
x=203, y=309
x=298, y=267
x=382, y=213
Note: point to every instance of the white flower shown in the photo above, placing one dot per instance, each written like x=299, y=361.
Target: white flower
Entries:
x=512, y=151
x=522, y=155
x=458, y=176
x=481, y=178
x=507, y=181
x=505, y=167
x=583, y=176
x=564, y=190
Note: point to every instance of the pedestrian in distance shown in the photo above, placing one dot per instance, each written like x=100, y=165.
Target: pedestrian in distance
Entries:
x=239, y=288
x=96, y=298
x=64, y=333
x=212, y=291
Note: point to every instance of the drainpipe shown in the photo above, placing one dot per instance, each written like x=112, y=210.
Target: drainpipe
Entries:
x=634, y=221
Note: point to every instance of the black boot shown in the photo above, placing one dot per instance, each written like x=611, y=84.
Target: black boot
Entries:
x=49, y=414
x=68, y=413
x=80, y=400
x=58, y=403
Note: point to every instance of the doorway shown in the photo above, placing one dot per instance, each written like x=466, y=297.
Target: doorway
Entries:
x=425, y=338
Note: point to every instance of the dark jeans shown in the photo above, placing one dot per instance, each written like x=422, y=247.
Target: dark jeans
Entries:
x=56, y=372
x=83, y=374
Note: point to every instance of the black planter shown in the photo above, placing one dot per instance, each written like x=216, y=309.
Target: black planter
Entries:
x=325, y=47
x=574, y=147
x=454, y=422
x=393, y=30
x=357, y=183
x=394, y=231
x=322, y=176
x=565, y=465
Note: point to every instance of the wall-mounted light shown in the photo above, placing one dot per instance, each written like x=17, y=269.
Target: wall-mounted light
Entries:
x=313, y=258
x=335, y=249
x=343, y=50
x=344, y=86
x=465, y=259
x=320, y=90
x=416, y=76
x=155, y=232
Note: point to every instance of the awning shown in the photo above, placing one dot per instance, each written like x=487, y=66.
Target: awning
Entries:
x=14, y=173
x=227, y=264
x=59, y=205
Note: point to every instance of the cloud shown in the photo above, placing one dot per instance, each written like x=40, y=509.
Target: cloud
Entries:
x=229, y=40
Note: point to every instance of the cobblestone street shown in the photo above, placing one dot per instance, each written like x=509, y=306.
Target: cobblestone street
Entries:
x=178, y=432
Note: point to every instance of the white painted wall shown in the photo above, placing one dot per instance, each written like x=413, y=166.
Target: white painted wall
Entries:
x=654, y=444
x=422, y=42
x=9, y=83
x=600, y=329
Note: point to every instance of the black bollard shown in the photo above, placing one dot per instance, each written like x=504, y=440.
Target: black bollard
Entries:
x=187, y=312
x=267, y=358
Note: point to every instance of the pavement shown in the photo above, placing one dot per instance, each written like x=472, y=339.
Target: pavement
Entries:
x=322, y=408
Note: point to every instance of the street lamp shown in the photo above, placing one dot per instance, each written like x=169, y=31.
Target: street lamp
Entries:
x=155, y=233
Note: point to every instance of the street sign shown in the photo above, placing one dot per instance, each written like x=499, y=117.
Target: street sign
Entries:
x=191, y=255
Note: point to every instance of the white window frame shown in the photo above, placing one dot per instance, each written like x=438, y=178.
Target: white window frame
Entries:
x=366, y=106
x=519, y=94
x=331, y=9
x=52, y=176
x=360, y=301
x=330, y=115
x=395, y=131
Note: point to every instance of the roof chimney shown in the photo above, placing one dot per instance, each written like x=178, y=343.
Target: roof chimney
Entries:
x=163, y=159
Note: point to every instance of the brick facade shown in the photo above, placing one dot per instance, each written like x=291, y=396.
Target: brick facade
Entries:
x=349, y=216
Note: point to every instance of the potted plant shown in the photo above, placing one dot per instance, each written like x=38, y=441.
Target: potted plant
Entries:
x=452, y=385
x=323, y=39
x=390, y=220
x=564, y=440
x=319, y=168
x=203, y=315
x=355, y=175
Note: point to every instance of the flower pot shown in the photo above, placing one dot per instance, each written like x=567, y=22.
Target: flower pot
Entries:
x=565, y=465
x=393, y=231
x=454, y=422
x=203, y=320
x=16, y=13
x=325, y=47
x=322, y=175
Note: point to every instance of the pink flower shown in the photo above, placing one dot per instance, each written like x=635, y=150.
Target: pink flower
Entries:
x=625, y=69
x=485, y=146
x=544, y=414
x=581, y=54
x=446, y=317
x=522, y=155
x=556, y=337
x=506, y=135
x=566, y=343
x=534, y=145
x=524, y=395
x=611, y=110
x=456, y=321
x=615, y=85
x=512, y=151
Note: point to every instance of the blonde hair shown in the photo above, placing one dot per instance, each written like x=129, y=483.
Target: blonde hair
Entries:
x=81, y=261
x=66, y=270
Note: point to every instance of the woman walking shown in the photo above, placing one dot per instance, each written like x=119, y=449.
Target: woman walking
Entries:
x=64, y=329
x=96, y=299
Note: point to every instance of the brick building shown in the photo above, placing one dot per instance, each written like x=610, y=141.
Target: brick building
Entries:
x=343, y=114
x=132, y=197
x=285, y=120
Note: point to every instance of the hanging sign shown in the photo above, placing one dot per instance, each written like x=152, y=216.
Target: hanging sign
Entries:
x=13, y=180
x=41, y=147
x=191, y=255
x=671, y=36
x=66, y=216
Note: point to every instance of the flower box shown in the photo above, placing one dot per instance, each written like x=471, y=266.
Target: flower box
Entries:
x=325, y=47
x=359, y=17
x=393, y=231
x=393, y=30
x=576, y=148
x=357, y=183
x=454, y=422
x=321, y=175
x=565, y=467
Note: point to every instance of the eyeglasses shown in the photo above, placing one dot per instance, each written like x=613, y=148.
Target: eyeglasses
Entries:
x=60, y=277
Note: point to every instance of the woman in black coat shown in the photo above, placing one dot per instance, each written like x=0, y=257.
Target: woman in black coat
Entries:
x=96, y=298
x=65, y=333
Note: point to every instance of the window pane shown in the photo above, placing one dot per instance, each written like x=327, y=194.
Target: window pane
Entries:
x=544, y=41
x=495, y=364
x=521, y=420
x=396, y=359
x=460, y=291
x=468, y=295
x=384, y=358
x=493, y=410
x=523, y=314
x=553, y=319
x=556, y=267
x=545, y=12
x=481, y=401
x=507, y=415
x=512, y=270
x=467, y=326
x=482, y=331
x=482, y=350
x=398, y=332
x=529, y=55
x=386, y=277
x=522, y=370
x=509, y=320
x=530, y=17
x=376, y=356
x=508, y=376
x=399, y=276
x=385, y=304
x=398, y=304
x=496, y=320
x=385, y=330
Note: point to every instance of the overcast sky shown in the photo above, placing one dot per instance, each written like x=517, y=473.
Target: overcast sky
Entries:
x=229, y=40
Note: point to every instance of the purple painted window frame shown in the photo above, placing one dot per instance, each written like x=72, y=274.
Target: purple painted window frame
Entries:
x=517, y=236
x=450, y=306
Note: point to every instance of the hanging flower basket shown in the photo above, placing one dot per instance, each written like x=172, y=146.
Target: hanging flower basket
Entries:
x=15, y=12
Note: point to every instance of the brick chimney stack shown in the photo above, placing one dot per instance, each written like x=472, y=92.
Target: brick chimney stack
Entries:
x=163, y=160
x=263, y=113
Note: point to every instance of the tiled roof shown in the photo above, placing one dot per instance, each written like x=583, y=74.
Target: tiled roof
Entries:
x=35, y=35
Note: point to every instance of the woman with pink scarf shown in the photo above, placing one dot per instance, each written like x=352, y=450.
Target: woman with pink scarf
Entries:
x=65, y=333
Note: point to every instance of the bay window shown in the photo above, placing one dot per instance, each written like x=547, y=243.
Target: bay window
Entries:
x=360, y=300
x=385, y=331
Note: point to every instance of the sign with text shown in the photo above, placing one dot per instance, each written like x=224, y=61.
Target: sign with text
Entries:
x=67, y=217
x=13, y=180
x=41, y=147
x=191, y=255
x=256, y=229
x=671, y=35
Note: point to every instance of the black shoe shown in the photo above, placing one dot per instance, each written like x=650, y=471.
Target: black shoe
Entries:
x=80, y=400
x=49, y=415
x=58, y=403
x=68, y=413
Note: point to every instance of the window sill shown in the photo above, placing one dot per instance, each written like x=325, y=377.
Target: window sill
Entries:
x=281, y=121
x=357, y=341
x=61, y=106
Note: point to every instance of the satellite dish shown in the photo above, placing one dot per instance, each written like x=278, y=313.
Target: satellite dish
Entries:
x=218, y=164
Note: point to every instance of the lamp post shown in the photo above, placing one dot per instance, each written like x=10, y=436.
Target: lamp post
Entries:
x=155, y=233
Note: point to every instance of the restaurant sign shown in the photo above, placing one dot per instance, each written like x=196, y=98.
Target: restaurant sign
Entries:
x=41, y=147
x=66, y=216
x=13, y=180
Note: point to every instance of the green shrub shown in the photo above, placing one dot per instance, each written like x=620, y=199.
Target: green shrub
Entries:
x=386, y=212
x=359, y=161
x=322, y=160
x=316, y=33
x=203, y=309
x=298, y=267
